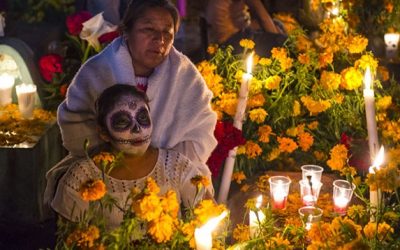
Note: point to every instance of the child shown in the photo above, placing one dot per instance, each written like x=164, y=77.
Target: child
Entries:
x=124, y=122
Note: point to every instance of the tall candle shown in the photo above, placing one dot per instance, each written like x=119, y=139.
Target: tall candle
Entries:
x=237, y=122
x=369, y=100
x=256, y=217
x=375, y=195
x=203, y=235
x=6, y=85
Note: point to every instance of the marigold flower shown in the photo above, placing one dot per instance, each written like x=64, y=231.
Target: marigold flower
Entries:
x=324, y=59
x=227, y=103
x=304, y=59
x=264, y=132
x=212, y=48
x=357, y=44
x=330, y=80
x=241, y=233
x=162, y=228
x=274, y=154
x=313, y=125
x=305, y=141
x=247, y=43
x=207, y=209
x=384, y=230
x=92, y=190
x=384, y=103
x=170, y=204
x=272, y=82
x=244, y=188
x=338, y=156
x=315, y=107
x=351, y=78
x=255, y=101
x=200, y=181
x=152, y=186
x=258, y=115
x=263, y=183
x=148, y=207
x=277, y=242
x=383, y=73
x=188, y=230
x=83, y=238
x=252, y=149
x=365, y=61
x=356, y=212
x=265, y=61
x=105, y=158
x=238, y=177
x=287, y=144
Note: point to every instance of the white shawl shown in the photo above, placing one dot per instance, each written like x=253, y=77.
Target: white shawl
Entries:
x=179, y=102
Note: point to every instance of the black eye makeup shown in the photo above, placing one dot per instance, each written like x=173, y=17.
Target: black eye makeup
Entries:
x=121, y=121
x=143, y=117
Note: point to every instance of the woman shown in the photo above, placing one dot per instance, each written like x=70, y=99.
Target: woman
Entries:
x=124, y=122
x=144, y=56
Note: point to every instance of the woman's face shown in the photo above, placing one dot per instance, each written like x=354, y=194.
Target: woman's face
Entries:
x=150, y=40
x=129, y=126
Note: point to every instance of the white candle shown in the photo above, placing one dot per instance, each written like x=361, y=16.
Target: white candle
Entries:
x=369, y=100
x=256, y=217
x=392, y=42
x=237, y=122
x=26, y=99
x=375, y=195
x=203, y=235
x=6, y=85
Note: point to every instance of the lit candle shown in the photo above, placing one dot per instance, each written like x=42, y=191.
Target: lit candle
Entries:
x=375, y=195
x=369, y=100
x=256, y=217
x=340, y=204
x=26, y=99
x=279, y=188
x=342, y=193
x=6, y=85
x=392, y=42
x=203, y=235
x=237, y=122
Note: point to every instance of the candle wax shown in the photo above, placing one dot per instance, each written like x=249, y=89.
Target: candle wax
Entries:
x=340, y=204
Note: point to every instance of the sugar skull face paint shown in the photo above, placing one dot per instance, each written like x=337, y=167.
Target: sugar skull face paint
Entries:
x=129, y=126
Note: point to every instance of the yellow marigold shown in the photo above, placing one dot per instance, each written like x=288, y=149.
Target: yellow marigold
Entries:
x=365, y=61
x=152, y=186
x=213, y=82
x=274, y=154
x=227, y=103
x=263, y=183
x=207, y=209
x=304, y=59
x=148, y=207
x=188, y=230
x=256, y=86
x=338, y=157
x=278, y=242
x=287, y=144
x=386, y=179
x=272, y=82
x=280, y=54
x=357, y=44
x=305, y=141
x=330, y=80
x=258, y=115
x=303, y=44
x=348, y=171
x=238, y=177
x=384, y=103
x=384, y=230
x=383, y=73
x=212, y=48
x=170, y=203
x=290, y=24
x=313, y=106
x=244, y=188
x=265, y=61
x=247, y=43
x=206, y=68
x=162, y=228
x=313, y=125
x=264, y=132
x=389, y=6
x=351, y=78
x=255, y=101
x=252, y=149
x=294, y=131
x=92, y=190
x=200, y=181
x=83, y=238
x=241, y=233
x=356, y=212
x=241, y=150
x=105, y=158
x=324, y=59
x=296, y=108
x=319, y=156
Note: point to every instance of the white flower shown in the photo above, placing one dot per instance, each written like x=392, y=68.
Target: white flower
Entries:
x=94, y=28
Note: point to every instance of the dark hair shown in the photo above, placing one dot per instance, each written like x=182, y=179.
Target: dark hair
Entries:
x=136, y=8
x=106, y=101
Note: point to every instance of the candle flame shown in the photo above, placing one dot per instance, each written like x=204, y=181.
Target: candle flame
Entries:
x=259, y=201
x=378, y=161
x=6, y=80
x=367, y=79
x=213, y=222
x=249, y=63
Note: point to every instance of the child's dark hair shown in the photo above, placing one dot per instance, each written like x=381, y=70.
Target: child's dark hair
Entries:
x=106, y=101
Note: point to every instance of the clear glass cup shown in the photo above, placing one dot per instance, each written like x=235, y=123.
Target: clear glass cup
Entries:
x=342, y=193
x=314, y=171
x=309, y=192
x=26, y=94
x=279, y=188
x=310, y=215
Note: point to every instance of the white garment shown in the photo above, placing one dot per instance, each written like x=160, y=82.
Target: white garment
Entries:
x=171, y=171
x=180, y=106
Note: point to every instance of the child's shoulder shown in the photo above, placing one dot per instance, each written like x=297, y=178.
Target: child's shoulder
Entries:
x=79, y=172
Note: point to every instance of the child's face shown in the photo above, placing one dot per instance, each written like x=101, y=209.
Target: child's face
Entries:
x=129, y=125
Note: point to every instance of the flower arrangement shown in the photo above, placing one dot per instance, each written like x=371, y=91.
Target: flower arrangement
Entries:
x=151, y=220
x=87, y=35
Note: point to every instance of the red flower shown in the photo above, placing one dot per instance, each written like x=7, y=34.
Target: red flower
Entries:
x=49, y=65
x=228, y=137
x=108, y=37
x=74, y=22
x=346, y=140
x=63, y=90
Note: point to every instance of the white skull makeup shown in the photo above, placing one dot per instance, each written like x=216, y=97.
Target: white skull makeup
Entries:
x=129, y=126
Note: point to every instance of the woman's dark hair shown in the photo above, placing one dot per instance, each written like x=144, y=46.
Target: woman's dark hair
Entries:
x=110, y=96
x=136, y=9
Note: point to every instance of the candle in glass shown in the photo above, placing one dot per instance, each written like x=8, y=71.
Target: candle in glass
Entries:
x=256, y=217
x=203, y=235
x=314, y=171
x=279, y=188
x=237, y=122
x=26, y=99
x=310, y=215
x=391, y=42
x=369, y=99
x=309, y=192
x=375, y=195
x=6, y=85
x=342, y=193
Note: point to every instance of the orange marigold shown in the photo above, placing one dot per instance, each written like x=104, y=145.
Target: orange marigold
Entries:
x=287, y=144
x=92, y=190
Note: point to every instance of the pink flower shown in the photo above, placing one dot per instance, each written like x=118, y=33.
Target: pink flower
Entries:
x=74, y=22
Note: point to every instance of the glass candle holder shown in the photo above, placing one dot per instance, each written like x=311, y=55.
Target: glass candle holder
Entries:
x=342, y=193
x=6, y=85
x=279, y=188
x=26, y=99
x=309, y=192
x=314, y=171
x=392, y=43
x=310, y=215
